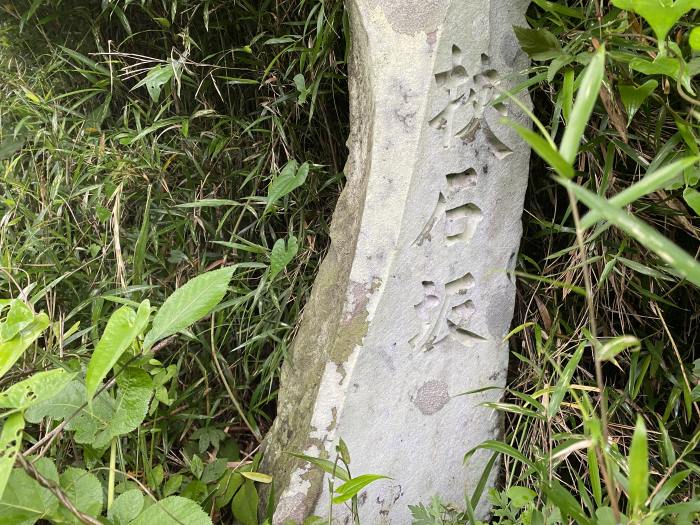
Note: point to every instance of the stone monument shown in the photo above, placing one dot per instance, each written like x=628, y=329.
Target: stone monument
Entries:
x=413, y=300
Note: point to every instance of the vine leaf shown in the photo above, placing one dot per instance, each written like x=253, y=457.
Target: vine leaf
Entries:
x=282, y=254
x=173, y=510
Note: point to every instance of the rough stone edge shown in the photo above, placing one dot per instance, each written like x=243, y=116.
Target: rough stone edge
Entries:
x=324, y=335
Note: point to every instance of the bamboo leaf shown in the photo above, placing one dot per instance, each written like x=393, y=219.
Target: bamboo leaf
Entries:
x=638, y=462
x=591, y=79
x=352, y=487
x=681, y=262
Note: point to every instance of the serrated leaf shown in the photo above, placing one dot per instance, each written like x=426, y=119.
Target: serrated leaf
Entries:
x=84, y=490
x=173, y=510
x=12, y=350
x=692, y=199
x=37, y=389
x=257, y=476
x=539, y=44
x=126, y=507
x=133, y=399
x=188, y=304
x=634, y=96
x=520, y=496
x=290, y=178
x=638, y=464
x=282, y=254
x=352, y=487
x=245, y=504
x=24, y=501
x=10, y=441
x=122, y=329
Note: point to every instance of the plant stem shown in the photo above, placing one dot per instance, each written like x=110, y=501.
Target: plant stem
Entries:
x=607, y=474
x=112, y=473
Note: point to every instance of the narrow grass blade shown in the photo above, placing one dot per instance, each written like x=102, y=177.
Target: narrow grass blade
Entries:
x=648, y=184
x=583, y=107
x=683, y=263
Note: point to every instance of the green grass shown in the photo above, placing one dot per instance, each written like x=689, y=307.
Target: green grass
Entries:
x=137, y=145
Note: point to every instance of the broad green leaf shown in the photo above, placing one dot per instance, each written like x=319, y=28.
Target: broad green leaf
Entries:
x=155, y=79
x=133, y=399
x=226, y=488
x=84, y=490
x=245, y=504
x=634, y=96
x=521, y=496
x=18, y=318
x=591, y=79
x=104, y=418
x=566, y=503
x=325, y=465
x=638, y=464
x=10, y=441
x=126, y=507
x=173, y=510
x=661, y=15
x=122, y=329
x=679, y=260
x=189, y=304
x=545, y=150
x=290, y=178
x=564, y=382
x=352, y=487
x=694, y=39
x=650, y=183
x=9, y=147
x=668, y=66
x=257, y=476
x=282, y=254
x=616, y=345
x=539, y=44
x=37, y=389
x=24, y=501
x=12, y=350
x=692, y=199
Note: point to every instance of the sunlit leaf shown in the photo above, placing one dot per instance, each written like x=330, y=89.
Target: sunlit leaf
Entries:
x=10, y=441
x=12, y=350
x=638, y=463
x=282, y=254
x=188, y=304
x=122, y=329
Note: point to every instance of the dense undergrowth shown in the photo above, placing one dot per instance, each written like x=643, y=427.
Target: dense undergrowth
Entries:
x=138, y=143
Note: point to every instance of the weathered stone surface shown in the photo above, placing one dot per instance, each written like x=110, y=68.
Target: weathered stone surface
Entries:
x=413, y=300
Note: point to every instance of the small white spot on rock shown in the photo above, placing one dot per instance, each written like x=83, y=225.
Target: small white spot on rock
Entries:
x=432, y=397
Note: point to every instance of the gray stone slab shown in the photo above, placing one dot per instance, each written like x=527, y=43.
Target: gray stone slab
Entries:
x=413, y=300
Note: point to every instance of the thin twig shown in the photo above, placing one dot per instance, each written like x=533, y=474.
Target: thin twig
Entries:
x=51, y=486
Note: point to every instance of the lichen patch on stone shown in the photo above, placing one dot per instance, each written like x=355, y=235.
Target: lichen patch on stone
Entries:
x=432, y=397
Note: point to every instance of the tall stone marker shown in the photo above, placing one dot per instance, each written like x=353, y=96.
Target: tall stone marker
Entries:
x=414, y=298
